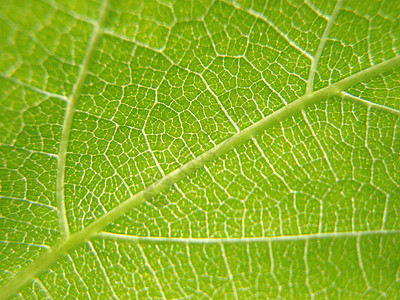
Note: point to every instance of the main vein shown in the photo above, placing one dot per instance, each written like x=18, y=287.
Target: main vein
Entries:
x=69, y=116
x=75, y=240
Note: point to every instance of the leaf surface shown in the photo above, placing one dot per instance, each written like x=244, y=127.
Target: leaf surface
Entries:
x=199, y=149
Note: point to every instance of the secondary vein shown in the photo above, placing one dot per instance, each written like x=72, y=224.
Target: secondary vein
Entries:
x=261, y=16
x=367, y=103
x=131, y=239
x=69, y=116
x=321, y=46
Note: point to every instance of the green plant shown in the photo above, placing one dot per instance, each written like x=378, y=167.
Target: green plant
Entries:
x=261, y=140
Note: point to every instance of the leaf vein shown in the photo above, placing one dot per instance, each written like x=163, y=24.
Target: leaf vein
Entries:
x=65, y=245
x=69, y=116
x=132, y=239
x=321, y=46
x=274, y=26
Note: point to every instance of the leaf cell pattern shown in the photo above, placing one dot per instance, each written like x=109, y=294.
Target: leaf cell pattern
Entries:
x=260, y=138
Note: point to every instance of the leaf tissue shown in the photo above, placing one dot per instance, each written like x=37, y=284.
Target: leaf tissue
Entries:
x=200, y=149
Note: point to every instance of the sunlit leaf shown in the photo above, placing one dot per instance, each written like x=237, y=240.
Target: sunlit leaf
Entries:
x=199, y=149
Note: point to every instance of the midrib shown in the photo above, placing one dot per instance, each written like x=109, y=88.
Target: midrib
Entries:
x=77, y=239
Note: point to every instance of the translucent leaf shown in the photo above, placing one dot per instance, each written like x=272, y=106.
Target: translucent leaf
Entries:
x=199, y=149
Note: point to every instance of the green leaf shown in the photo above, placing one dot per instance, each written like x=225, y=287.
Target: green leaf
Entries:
x=199, y=149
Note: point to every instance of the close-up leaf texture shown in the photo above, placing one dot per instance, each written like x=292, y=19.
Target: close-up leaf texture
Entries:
x=199, y=149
